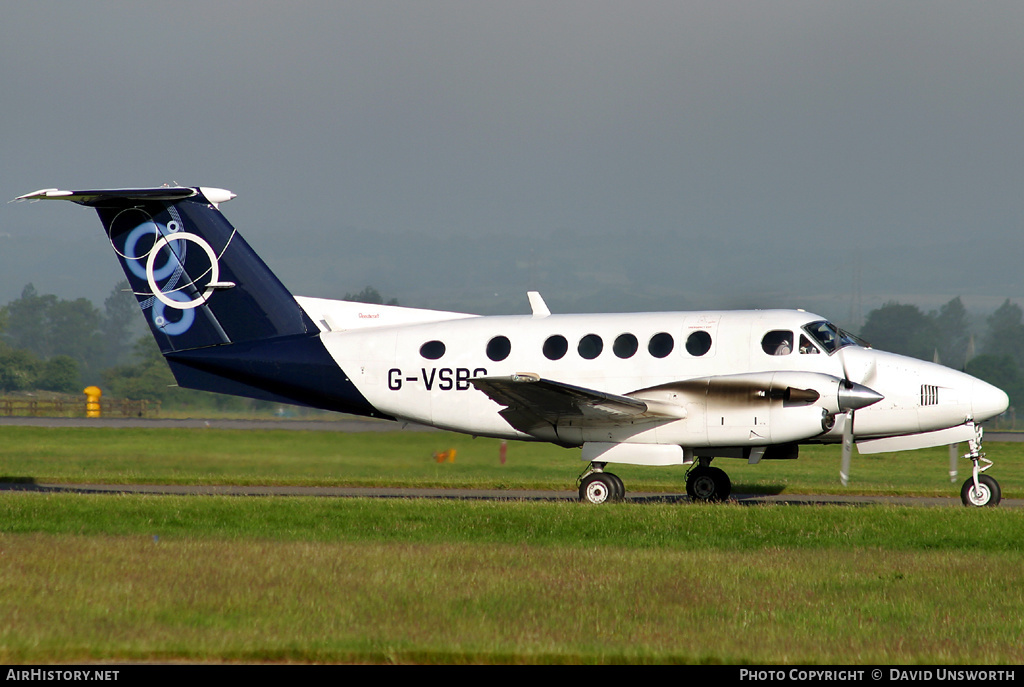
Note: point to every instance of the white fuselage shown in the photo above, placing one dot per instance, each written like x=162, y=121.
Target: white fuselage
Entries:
x=383, y=352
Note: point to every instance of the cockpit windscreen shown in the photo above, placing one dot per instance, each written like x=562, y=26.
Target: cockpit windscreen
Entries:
x=830, y=337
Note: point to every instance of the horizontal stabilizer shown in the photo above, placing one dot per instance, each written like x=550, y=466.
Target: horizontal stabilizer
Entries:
x=90, y=197
x=165, y=193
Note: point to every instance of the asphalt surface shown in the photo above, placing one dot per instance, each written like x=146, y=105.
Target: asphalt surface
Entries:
x=364, y=425
x=483, y=494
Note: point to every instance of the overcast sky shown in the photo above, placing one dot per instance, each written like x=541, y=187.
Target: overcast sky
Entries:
x=710, y=154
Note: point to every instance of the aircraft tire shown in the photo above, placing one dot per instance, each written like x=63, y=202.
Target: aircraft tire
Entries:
x=723, y=485
x=620, y=487
x=988, y=493
x=708, y=484
x=598, y=488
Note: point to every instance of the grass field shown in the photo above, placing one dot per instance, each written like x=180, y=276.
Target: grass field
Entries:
x=116, y=577
x=282, y=457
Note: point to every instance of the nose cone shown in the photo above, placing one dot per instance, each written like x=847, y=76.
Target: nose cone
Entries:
x=987, y=401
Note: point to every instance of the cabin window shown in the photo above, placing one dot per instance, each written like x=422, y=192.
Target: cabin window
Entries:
x=590, y=346
x=625, y=345
x=698, y=343
x=498, y=348
x=555, y=347
x=661, y=345
x=432, y=350
x=777, y=342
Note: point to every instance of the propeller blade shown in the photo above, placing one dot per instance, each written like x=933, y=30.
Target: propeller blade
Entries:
x=857, y=367
x=844, y=465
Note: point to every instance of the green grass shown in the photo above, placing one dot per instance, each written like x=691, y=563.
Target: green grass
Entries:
x=432, y=521
x=282, y=457
x=88, y=577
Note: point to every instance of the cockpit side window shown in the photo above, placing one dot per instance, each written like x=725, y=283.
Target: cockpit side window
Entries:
x=830, y=337
x=806, y=347
x=777, y=342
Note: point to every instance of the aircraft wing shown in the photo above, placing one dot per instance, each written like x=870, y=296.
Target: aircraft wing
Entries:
x=533, y=401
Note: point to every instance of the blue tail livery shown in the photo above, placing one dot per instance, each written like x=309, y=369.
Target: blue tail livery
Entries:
x=223, y=321
x=658, y=389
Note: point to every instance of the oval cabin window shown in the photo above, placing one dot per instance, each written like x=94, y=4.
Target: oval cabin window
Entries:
x=698, y=343
x=625, y=346
x=590, y=346
x=432, y=350
x=555, y=347
x=498, y=348
x=661, y=345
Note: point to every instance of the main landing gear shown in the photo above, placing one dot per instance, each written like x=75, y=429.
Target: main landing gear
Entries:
x=979, y=490
x=705, y=483
x=598, y=486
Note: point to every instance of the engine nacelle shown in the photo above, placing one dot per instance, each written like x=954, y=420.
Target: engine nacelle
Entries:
x=755, y=409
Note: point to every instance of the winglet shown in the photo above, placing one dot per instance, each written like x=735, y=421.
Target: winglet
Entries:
x=537, y=304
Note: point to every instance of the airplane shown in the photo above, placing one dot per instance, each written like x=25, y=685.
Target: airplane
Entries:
x=656, y=389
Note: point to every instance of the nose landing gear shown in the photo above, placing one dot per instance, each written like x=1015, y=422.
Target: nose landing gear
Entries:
x=979, y=490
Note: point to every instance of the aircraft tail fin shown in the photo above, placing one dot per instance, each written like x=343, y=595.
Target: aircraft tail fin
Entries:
x=222, y=319
x=196, y=279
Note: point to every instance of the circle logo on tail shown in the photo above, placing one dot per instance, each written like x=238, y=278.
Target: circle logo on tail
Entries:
x=167, y=326
x=145, y=230
x=152, y=275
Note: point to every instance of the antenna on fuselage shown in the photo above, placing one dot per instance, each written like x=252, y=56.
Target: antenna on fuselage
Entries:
x=537, y=304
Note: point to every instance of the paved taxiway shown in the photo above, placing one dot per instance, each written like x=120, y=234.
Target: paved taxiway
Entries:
x=470, y=494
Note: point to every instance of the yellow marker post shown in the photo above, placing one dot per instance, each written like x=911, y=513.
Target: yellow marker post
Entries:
x=92, y=401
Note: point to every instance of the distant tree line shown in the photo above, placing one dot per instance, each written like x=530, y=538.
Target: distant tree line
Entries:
x=369, y=295
x=945, y=336
x=51, y=344
x=61, y=345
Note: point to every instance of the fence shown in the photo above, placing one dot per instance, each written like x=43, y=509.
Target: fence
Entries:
x=24, y=407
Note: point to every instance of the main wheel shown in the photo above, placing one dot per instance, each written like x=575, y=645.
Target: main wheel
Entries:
x=986, y=494
x=597, y=488
x=708, y=484
x=620, y=488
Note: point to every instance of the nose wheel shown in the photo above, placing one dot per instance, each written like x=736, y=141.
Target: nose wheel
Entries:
x=979, y=490
x=984, y=492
